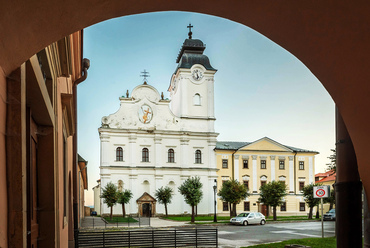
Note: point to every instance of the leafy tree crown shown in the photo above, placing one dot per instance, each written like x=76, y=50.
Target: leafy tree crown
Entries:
x=232, y=191
x=124, y=197
x=272, y=193
x=191, y=189
x=164, y=195
x=109, y=194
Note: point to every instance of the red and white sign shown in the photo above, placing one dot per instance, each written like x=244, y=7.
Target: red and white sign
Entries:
x=321, y=192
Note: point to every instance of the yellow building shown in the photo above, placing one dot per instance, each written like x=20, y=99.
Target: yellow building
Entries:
x=256, y=163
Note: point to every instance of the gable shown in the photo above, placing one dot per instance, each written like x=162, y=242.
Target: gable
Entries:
x=265, y=144
x=146, y=198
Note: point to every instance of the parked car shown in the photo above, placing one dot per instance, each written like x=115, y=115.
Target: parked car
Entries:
x=249, y=218
x=93, y=213
x=330, y=215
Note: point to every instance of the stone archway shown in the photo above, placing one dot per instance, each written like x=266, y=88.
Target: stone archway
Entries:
x=146, y=205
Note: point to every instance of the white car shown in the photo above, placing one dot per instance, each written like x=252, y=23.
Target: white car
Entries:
x=249, y=218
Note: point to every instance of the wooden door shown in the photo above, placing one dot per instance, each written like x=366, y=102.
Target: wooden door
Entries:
x=32, y=185
x=264, y=209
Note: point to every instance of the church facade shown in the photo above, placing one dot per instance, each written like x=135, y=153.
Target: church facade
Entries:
x=152, y=142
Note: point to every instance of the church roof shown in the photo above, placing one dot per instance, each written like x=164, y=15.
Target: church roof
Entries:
x=191, y=53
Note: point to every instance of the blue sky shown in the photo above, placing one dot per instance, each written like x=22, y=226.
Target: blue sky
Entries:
x=260, y=88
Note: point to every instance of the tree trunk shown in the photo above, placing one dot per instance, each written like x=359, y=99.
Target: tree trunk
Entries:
x=192, y=214
x=274, y=212
x=165, y=207
x=317, y=213
x=310, y=213
x=230, y=210
x=196, y=210
x=123, y=210
x=111, y=212
x=267, y=210
x=234, y=208
x=331, y=205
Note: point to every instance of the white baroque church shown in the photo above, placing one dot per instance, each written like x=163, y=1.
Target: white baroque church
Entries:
x=152, y=142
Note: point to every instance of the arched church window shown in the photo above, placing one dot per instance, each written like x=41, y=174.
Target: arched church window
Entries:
x=196, y=99
x=145, y=155
x=171, y=156
x=198, y=157
x=119, y=154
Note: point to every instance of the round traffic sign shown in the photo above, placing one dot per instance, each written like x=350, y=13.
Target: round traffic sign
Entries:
x=320, y=192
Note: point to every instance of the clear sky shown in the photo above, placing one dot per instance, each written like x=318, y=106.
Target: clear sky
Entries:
x=260, y=88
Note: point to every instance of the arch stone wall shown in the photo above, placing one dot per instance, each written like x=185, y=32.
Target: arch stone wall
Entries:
x=331, y=38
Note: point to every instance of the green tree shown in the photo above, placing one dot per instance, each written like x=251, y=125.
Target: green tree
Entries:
x=272, y=193
x=333, y=160
x=191, y=189
x=109, y=194
x=123, y=198
x=233, y=192
x=308, y=197
x=164, y=196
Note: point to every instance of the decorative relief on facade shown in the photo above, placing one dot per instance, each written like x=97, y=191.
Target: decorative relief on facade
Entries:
x=290, y=158
x=254, y=157
x=245, y=157
x=263, y=157
x=145, y=113
x=282, y=157
x=236, y=156
x=272, y=157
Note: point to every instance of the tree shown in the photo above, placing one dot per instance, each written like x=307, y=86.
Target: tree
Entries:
x=308, y=197
x=123, y=198
x=333, y=161
x=233, y=192
x=191, y=189
x=109, y=194
x=164, y=196
x=272, y=193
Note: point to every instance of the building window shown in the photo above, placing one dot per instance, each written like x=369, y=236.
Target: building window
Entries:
x=145, y=155
x=246, y=184
x=119, y=154
x=281, y=164
x=198, y=157
x=301, y=185
x=302, y=206
x=196, y=99
x=171, y=156
x=224, y=163
x=263, y=183
x=263, y=164
x=301, y=165
x=225, y=206
x=283, y=206
x=246, y=206
x=245, y=164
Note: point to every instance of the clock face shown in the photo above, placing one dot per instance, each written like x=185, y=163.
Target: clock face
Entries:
x=197, y=74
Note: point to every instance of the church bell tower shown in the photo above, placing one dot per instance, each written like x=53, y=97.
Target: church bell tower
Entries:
x=192, y=84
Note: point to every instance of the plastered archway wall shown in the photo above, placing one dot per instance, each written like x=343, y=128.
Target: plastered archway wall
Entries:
x=330, y=37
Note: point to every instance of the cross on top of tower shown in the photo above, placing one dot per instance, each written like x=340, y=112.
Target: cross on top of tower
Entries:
x=145, y=74
x=190, y=33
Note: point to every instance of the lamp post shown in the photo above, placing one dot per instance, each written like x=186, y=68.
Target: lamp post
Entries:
x=214, y=191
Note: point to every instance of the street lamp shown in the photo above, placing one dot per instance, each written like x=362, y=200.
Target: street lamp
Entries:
x=214, y=191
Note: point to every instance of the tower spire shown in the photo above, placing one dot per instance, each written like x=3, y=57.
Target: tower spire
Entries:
x=190, y=33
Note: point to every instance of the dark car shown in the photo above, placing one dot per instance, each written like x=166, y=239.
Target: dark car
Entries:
x=330, y=215
x=93, y=213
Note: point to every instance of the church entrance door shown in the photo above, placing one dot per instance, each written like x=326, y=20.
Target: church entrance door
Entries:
x=147, y=210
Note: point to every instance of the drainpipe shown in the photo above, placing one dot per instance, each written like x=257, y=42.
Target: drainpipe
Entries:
x=85, y=67
x=232, y=165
